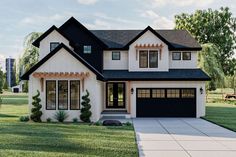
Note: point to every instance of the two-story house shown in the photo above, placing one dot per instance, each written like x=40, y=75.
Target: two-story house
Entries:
x=138, y=73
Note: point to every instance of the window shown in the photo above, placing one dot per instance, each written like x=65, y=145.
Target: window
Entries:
x=173, y=93
x=143, y=59
x=186, y=55
x=63, y=95
x=50, y=95
x=87, y=49
x=158, y=93
x=176, y=56
x=53, y=45
x=188, y=93
x=116, y=55
x=143, y=93
x=75, y=95
x=153, y=59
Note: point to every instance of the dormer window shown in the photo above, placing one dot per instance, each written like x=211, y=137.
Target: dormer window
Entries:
x=53, y=45
x=87, y=49
x=116, y=55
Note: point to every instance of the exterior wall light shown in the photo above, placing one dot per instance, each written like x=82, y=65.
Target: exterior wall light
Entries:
x=132, y=90
x=201, y=90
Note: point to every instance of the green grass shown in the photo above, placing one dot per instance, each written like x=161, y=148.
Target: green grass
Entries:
x=56, y=139
x=219, y=111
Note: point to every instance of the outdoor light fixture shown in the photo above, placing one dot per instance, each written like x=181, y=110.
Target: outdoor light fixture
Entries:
x=132, y=90
x=201, y=90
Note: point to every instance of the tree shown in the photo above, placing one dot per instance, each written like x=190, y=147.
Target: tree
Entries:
x=212, y=26
x=85, y=110
x=208, y=62
x=35, y=111
x=1, y=80
x=30, y=56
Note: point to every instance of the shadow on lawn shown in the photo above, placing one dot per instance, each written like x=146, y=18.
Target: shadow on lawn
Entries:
x=34, y=137
x=7, y=115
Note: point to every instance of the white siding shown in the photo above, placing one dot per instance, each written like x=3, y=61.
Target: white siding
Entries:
x=171, y=84
x=148, y=38
x=54, y=36
x=121, y=64
x=184, y=64
x=62, y=61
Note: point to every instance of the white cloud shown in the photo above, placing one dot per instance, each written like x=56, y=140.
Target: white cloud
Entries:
x=2, y=61
x=181, y=3
x=42, y=19
x=87, y=2
x=160, y=22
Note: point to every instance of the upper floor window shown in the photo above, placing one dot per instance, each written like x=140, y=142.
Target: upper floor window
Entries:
x=186, y=55
x=116, y=55
x=53, y=45
x=87, y=49
x=176, y=55
x=148, y=59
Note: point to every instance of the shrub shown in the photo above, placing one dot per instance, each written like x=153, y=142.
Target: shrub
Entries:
x=85, y=110
x=75, y=120
x=98, y=123
x=128, y=124
x=35, y=111
x=24, y=118
x=60, y=116
x=49, y=120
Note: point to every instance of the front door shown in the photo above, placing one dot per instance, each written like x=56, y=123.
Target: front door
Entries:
x=115, y=95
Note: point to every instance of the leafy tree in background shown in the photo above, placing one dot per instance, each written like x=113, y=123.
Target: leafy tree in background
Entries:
x=30, y=56
x=208, y=62
x=213, y=26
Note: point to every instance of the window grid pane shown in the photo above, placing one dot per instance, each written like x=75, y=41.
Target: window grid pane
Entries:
x=188, y=93
x=62, y=95
x=176, y=56
x=158, y=93
x=87, y=49
x=115, y=55
x=173, y=93
x=186, y=55
x=143, y=59
x=53, y=45
x=143, y=93
x=153, y=59
x=50, y=95
x=75, y=95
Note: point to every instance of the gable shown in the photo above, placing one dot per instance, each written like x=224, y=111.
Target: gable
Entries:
x=51, y=54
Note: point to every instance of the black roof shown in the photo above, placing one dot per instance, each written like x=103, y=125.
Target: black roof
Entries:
x=178, y=39
x=171, y=75
x=25, y=76
x=120, y=39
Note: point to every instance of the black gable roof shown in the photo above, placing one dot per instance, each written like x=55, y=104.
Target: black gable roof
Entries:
x=118, y=39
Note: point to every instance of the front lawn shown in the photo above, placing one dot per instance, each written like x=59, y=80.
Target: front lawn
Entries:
x=220, y=111
x=55, y=139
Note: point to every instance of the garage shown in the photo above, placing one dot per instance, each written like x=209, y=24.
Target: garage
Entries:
x=166, y=102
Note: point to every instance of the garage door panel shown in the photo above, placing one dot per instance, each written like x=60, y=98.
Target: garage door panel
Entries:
x=166, y=107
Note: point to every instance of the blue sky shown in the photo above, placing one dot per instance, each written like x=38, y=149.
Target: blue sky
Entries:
x=21, y=17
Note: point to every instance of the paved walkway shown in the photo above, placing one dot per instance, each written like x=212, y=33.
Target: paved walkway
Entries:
x=183, y=137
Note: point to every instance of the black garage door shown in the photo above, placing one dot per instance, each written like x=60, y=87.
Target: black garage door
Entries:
x=166, y=102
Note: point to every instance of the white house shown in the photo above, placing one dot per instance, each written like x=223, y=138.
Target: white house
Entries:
x=136, y=73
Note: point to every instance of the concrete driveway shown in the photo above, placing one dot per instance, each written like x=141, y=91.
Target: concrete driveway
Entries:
x=183, y=137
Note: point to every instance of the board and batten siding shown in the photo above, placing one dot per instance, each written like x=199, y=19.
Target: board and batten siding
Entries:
x=109, y=64
x=184, y=64
x=54, y=36
x=63, y=61
x=148, y=38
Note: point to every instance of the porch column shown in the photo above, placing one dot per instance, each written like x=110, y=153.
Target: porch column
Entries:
x=129, y=95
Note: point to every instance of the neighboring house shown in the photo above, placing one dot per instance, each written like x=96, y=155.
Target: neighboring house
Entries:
x=138, y=73
x=10, y=75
